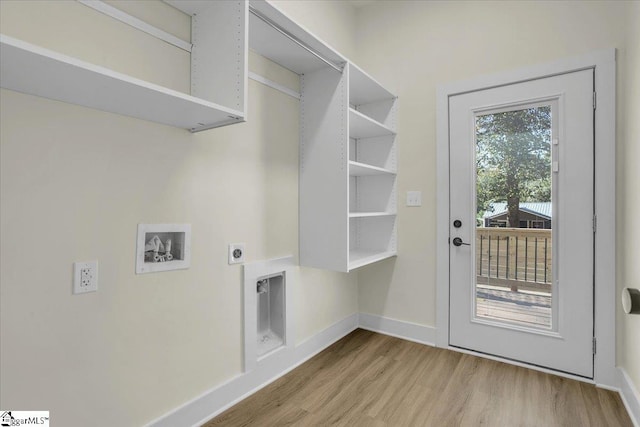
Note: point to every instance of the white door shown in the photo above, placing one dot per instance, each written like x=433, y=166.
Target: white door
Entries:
x=521, y=222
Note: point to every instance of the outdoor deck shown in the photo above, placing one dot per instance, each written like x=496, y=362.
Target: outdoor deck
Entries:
x=523, y=307
x=514, y=275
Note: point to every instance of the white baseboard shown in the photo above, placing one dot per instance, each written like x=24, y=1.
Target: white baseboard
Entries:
x=398, y=328
x=630, y=397
x=218, y=399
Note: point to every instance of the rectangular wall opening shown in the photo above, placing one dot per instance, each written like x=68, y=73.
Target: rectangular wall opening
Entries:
x=271, y=313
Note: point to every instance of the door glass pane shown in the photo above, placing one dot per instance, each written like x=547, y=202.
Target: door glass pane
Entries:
x=514, y=217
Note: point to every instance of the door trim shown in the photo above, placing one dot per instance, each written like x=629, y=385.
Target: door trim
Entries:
x=604, y=64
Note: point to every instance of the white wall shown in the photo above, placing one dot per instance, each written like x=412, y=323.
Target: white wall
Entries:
x=75, y=183
x=413, y=47
x=628, y=332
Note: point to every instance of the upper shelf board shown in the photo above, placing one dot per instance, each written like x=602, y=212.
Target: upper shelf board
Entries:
x=272, y=44
x=361, y=126
x=364, y=89
x=38, y=71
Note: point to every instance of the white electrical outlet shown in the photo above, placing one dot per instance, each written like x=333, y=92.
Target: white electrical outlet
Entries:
x=85, y=277
x=236, y=253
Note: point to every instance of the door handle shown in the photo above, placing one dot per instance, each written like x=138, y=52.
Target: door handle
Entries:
x=458, y=242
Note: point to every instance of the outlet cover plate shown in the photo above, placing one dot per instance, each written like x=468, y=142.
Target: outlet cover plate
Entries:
x=236, y=253
x=85, y=277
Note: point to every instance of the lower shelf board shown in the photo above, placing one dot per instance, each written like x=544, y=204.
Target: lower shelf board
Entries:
x=362, y=257
x=363, y=169
x=369, y=214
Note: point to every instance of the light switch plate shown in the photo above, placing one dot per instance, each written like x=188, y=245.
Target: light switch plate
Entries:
x=414, y=198
x=85, y=277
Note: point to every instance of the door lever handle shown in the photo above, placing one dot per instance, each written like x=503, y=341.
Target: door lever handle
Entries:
x=458, y=242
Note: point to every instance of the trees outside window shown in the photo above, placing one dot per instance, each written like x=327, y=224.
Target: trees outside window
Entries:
x=513, y=159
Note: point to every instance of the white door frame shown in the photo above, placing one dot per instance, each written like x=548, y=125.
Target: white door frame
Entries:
x=604, y=63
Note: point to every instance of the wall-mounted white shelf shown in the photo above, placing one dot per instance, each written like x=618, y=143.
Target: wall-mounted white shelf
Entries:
x=218, y=85
x=372, y=166
x=364, y=89
x=37, y=71
x=362, y=126
x=369, y=214
x=361, y=169
x=290, y=45
x=371, y=239
x=361, y=257
x=347, y=174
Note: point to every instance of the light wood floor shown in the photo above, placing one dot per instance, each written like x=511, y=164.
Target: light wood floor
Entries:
x=368, y=379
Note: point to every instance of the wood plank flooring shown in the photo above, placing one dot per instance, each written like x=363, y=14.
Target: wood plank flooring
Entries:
x=368, y=379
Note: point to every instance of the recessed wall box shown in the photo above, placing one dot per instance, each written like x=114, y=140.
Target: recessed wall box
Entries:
x=163, y=247
x=268, y=315
x=271, y=313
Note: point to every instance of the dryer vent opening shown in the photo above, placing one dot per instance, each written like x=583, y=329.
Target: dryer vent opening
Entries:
x=271, y=313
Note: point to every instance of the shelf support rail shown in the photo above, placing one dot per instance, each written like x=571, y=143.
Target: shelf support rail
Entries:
x=273, y=85
x=121, y=16
x=278, y=28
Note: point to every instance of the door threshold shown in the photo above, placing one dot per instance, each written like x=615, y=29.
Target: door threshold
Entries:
x=523, y=365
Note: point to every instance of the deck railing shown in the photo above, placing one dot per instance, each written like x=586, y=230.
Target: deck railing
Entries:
x=518, y=258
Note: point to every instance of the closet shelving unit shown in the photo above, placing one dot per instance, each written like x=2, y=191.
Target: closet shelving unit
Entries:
x=372, y=170
x=218, y=82
x=347, y=147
